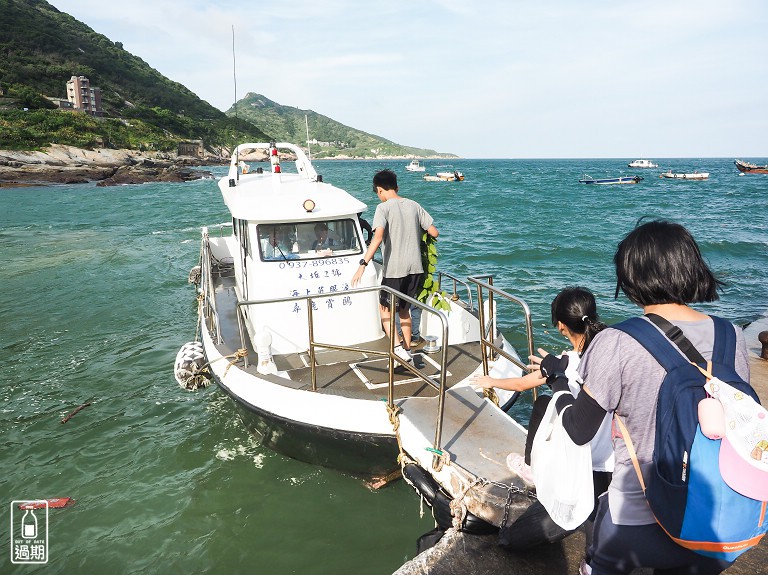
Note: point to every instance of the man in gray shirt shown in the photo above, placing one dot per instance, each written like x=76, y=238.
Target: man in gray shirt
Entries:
x=398, y=224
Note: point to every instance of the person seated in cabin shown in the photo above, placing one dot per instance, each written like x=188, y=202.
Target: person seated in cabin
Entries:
x=322, y=240
x=275, y=242
x=325, y=240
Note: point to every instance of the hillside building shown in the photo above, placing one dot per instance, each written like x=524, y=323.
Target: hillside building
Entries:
x=62, y=103
x=83, y=96
x=191, y=148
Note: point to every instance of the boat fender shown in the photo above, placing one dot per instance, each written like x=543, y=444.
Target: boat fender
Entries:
x=440, y=502
x=534, y=527
x=194, y=275
x=263, y=343
x=190, y=368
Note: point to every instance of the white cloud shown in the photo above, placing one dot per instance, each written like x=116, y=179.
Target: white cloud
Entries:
x=488, y=78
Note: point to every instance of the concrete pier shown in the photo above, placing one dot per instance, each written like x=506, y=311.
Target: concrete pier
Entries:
x=459, y=553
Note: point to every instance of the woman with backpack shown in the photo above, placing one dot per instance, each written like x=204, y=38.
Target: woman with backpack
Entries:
x=660, y=268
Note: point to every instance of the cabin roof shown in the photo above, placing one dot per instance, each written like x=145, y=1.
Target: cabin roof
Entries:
x=280, y=198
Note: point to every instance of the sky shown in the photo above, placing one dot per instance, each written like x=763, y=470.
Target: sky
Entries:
x=477, y=78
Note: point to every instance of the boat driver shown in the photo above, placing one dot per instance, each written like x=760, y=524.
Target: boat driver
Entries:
x=275, y=242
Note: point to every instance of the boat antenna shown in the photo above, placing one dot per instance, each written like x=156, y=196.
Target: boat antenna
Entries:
x=234, y=77
x=309, y=151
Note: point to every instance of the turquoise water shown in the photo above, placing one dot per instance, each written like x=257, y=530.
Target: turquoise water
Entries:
x=95, y=304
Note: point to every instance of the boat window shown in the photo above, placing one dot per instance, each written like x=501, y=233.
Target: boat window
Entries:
x=308, y=240
x=241, y=231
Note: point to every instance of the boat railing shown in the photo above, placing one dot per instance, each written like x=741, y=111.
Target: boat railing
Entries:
x=456, y=281
x=486, y=292
x=394, y=359
x=209, y=301
x=484, y=285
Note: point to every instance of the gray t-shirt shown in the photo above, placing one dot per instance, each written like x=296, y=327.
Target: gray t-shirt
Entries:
x=623, y=377
x=403, y=221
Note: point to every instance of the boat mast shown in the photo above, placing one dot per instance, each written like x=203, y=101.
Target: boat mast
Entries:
x=309, y=151
x=234, y=77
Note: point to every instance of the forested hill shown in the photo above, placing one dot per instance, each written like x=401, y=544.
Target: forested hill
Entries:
x=41, y=48
x=331, y=137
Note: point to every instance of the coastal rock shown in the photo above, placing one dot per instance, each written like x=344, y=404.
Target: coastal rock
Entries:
x=67, y=165
x=142, y=174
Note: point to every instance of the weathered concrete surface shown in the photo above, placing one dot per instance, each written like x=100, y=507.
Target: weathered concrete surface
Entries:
x=459, y=553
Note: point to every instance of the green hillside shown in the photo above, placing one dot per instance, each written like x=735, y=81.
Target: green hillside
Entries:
x=41, y=48
x=286, y=123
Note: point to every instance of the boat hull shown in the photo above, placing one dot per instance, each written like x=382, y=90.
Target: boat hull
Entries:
x=294, y=427
x=693, y=176
x=365, y=455
x=746, y=168
x=610, y=181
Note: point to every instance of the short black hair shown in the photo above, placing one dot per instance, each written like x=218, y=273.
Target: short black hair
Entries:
x=386, y=179
x=659, y=262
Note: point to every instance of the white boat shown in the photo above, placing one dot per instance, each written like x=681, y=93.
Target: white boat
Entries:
x=304, y=357
x=455, y=176
x=587, y=179
x=415, y=166
x=642, y=164
x=696, y=175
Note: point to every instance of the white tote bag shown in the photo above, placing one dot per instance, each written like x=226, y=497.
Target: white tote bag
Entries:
x=562, y=471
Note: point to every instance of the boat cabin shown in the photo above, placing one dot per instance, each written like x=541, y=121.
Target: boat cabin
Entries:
x=297, y=235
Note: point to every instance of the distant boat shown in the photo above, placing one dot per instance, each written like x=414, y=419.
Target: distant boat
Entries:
x=606, y=181
x=642, y=164
x=455, y=176
x=415, y=166
x=747, y=168
x=680, y=176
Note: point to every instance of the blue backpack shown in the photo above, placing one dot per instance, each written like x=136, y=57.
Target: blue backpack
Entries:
x=686, y=492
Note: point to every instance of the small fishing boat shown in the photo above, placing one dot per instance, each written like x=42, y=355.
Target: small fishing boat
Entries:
x=642, y=164
x=749, y=168
x=586, y=179
x=696, y=175
x=455, y=176
x=305, y=359
x=415, y=166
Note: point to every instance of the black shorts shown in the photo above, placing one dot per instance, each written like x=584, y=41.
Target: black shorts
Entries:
x=409, y=285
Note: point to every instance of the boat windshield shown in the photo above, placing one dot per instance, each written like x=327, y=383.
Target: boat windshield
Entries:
x=308, y=240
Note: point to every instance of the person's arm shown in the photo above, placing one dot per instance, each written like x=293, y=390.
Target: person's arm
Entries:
x=378, y=237
x=585, y=415
x=523, y=383
x=432, y=231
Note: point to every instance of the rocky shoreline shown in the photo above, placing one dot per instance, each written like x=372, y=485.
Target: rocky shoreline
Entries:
x=60, y=164
x=67, y=165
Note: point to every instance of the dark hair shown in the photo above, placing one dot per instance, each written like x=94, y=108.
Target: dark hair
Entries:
x=386, y=179
x=659, y=262
x=575, y=307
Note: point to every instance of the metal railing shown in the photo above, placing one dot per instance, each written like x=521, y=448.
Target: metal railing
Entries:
x=210, y=314
x=314, y=345
x=487, y=328
x=456, y=281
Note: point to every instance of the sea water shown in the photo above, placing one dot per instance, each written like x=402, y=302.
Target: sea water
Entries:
x=94, y=305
